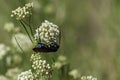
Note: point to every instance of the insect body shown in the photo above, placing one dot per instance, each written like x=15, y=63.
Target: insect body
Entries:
x=44, y=48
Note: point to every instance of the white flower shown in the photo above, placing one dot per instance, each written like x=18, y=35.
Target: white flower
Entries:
x=61, y=61
x=27, y=75
x=3, y=50
x=58, y=65
x=12, y=73
x=23, y=40
x=88, y=78
x=11, y=27
x=40, y=66
x=62, y=58
x=22, y=12
x=29, y=5
x=3, y=77
x=74, y=73
x=47, y=33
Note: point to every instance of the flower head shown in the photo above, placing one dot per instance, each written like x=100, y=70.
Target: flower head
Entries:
x=3, y=77
x=74, y=73
x=40, y=67
x=88, y=78
x=22, y=12
x=27, y=75
x=3, y=50
x=10, y=27
x=12, y=73
x=61, y=61
x=47, y=33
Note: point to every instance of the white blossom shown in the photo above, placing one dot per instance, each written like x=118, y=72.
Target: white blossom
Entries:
x=88, y=78
x=3, y=50
x=27, y=75
x=74, y=73
x=58, y=65
x=9, y=26
x=40, y=66
x=47, y=33
x=61, y=61
x=3, y=77
x=62, y=58
x=22, y=12
x=12, y=73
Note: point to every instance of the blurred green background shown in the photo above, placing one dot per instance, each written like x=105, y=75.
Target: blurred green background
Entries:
x=90, y=32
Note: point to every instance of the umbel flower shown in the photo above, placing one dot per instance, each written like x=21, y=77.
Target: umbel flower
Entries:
x=2, y=77
x=40, y=67
x=47, y=33
x=22, y=12
x=88, y=78
x=61, y=61
x=10, y=27
x=12, y=73
x=27, y=75
x=75, y=74
x=3, y=50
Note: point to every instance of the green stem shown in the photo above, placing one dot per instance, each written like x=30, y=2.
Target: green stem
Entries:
x=30, y=26
x=60, y=37
x=19, y=45
x=26, y=30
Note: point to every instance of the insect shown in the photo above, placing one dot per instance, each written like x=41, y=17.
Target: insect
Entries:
x=44, y=48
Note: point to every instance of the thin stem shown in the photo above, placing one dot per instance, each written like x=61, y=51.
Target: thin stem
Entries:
x=30, y=25
x=39, y=36
x=60, y=37
x=19, y=44
x=26, y=30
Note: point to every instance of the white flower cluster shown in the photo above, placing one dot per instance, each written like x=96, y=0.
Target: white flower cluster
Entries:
x=88, y=78
x=40, y=67
x=27, y=75
x=22, y=12
x=10, y=27
x=47, y=33
x=2, y=77
x=61, y=61
x=12, y=73
x=74, y=73
x=3, y=50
